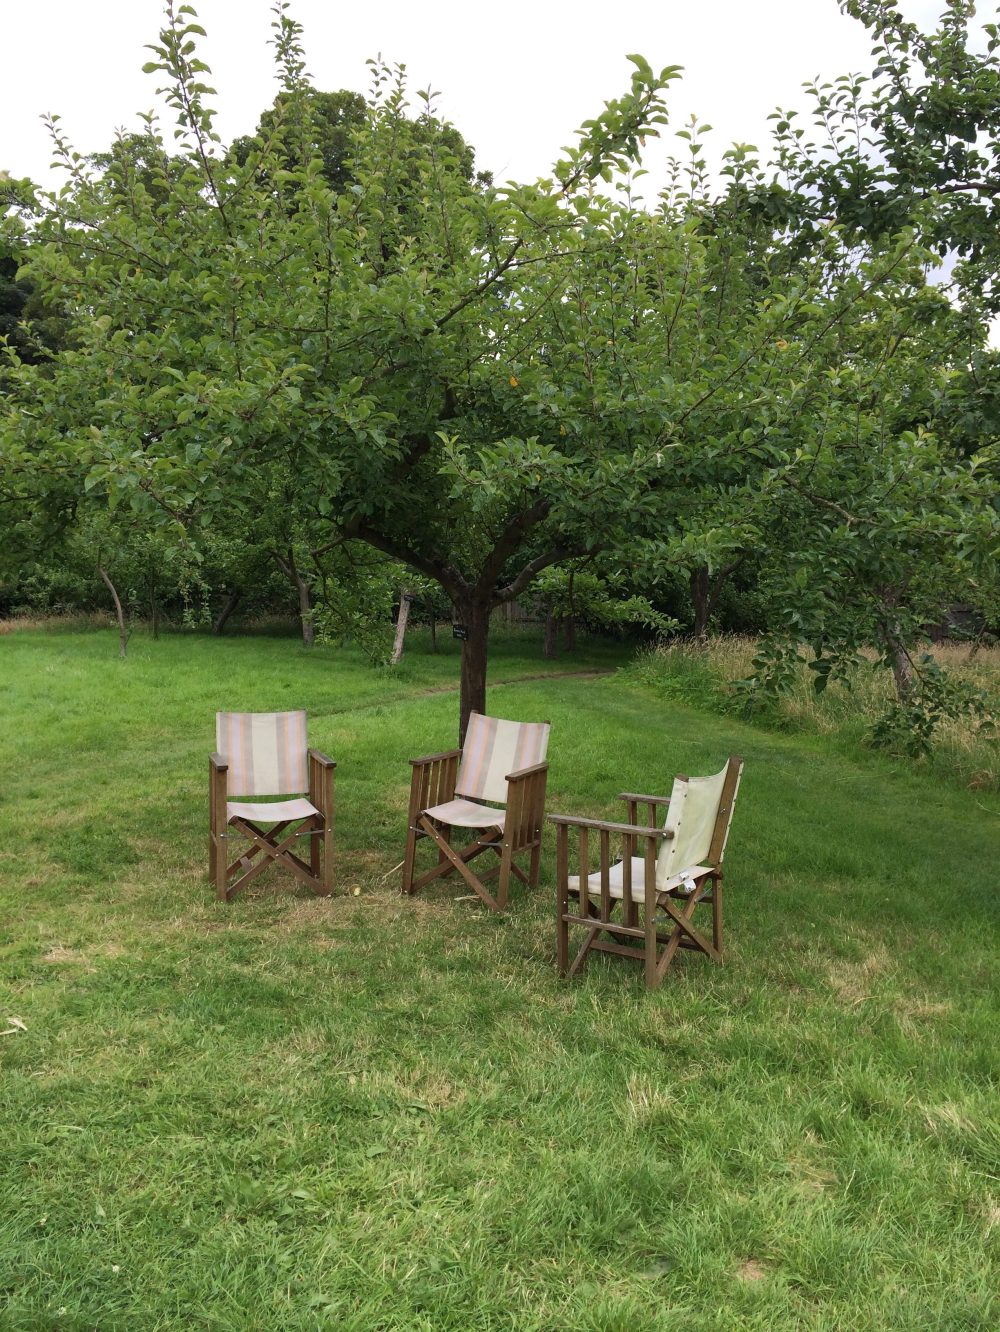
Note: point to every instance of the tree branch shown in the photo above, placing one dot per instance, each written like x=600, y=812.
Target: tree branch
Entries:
x=518, y=584
x=509, y=540
x=446, y=574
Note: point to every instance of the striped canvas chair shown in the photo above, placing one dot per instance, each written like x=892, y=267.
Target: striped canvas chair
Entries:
x=495, y=787
x=682, y=861
x=265, y=754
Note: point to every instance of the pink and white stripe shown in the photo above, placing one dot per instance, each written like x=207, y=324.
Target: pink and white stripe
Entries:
x=493, y=748
x=266, y=752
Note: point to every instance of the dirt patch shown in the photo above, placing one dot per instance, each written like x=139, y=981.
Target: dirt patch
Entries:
x=60, y=955
x=751, y=1270
x=853, y=982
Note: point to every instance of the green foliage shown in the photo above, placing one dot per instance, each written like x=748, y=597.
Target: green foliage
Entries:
x=910, y=724
x=355, y=593
x=600, y=600
x=482, y=383
x=678, y=673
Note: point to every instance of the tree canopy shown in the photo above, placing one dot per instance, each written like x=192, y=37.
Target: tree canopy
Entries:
x=370, y=344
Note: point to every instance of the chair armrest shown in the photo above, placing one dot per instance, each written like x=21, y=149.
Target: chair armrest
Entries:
x=432, y=781
x=602, y=825
x=635, y=839
x=218, y=794
x=435, y=758
x=322, y=772
x=645, y=799
x=525, y=806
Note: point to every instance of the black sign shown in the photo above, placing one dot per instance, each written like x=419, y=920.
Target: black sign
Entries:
x=459, y=631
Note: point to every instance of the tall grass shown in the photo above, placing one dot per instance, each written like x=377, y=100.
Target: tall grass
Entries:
x=704, y=677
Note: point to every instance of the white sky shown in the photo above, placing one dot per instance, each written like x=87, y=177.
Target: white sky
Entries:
x=516, y=79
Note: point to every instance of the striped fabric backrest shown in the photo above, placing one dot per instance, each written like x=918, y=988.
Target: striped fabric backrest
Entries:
x=493, y=748
x=266, y=752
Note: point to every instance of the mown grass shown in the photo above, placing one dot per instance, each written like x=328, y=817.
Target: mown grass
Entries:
x=369, y=1113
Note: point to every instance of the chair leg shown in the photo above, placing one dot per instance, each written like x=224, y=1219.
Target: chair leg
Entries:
x=717, y=917
x=503, y=879
x=221, y=865
x=535, y=864
x=562, y=931
x=315, y=848
x=653, y=976
x=321, y=854
x=409, y=856
x=328, y=853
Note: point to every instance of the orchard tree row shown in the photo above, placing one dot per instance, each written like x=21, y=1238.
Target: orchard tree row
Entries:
x=336, y=338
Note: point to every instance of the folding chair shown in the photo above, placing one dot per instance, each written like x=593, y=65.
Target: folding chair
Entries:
x=501, y=762
x=682, y=861
x=266, y=754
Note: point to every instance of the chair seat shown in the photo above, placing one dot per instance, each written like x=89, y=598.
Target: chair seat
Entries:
x=467, y=814
x=616, y=878
x=271, y=811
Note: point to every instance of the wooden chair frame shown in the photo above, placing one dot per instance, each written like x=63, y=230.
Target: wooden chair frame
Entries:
x=637, y=934
x=432, y=783
x=272, y=845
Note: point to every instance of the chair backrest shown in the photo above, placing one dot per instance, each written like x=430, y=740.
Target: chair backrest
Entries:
x=699, y=814
x=493, y=748
x=266, y=752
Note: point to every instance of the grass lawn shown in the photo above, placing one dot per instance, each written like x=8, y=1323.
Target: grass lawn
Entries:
x=369, y=1113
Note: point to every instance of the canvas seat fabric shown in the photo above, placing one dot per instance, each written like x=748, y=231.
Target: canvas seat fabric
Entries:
x=616, y=880
x=467, y=814
x=270, y=811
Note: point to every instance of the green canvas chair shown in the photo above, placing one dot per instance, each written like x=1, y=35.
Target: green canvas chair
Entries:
x=682, y=860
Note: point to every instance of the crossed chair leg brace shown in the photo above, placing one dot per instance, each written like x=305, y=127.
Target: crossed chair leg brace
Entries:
x=433, y=784
x=648, y=943
x=643, y=906
x=272, y=845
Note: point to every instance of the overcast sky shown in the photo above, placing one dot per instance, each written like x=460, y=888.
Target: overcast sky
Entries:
x=516, y=79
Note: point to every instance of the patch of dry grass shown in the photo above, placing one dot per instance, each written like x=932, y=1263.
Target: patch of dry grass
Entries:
x=704, y=676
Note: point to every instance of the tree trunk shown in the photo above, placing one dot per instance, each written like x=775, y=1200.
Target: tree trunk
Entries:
x=902, y=666
x=289, y=568
x=232, y=601
x=401, y=621
x=476, y=618
x=119, y=612
x=154, y=610
x=434, y=632
x=892, y=637
x=902, y=672
x=700, y=589
x=550, y=641
x=305, y=611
